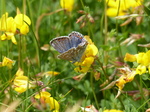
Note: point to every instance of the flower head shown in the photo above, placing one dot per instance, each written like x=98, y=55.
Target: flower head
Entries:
x=87, y=58
x=9, y=26
x=22, y=22
x=22, y=83
x=7, y=62
x=121, y=7
x=67, y=4
x=46, y=98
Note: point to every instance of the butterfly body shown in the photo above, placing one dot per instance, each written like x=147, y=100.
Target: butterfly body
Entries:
x=70, y=47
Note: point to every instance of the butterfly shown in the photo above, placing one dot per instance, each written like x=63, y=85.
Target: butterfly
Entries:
x=70, y=47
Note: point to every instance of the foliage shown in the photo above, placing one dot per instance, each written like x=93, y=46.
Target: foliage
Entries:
x=111, y=76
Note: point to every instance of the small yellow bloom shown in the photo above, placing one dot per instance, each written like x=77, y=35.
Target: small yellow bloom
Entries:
x=121, y=82
x=51, y=73
x=8, y=24
x=127, y=76
x=22, y=83
x=3, y=20
x=87, y=58
x=20, y=72
x=8, y=28
x=130, y=76
x=7, y=62
x=112, y=110
x=67, y=4
x=46, y=97
x=141, y=69
x=54, y=105
x=8, y=36
x=43, y=95
x=22, y=22
x=130, y=57
x=121, y=7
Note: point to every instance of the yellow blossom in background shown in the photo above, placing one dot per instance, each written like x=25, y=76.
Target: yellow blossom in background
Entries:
x=130, y=57
x=121, y=7
x=7, y=62
x=112, y=110
x=46, y=97
x=143, y=58
x=87, y=58
x=22, y=83
x=3, y=21
x=121, y=82
x=19, y=72
x=54, y=105
x=9, y=36
x=8, y=28
x=9, y=25
x=22, y=22
x=67, y=4
x=141, y=69
x=127, y=76
x=50, y=73
x=43, y=95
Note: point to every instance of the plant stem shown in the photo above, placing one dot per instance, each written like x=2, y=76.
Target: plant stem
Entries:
x=91, y=81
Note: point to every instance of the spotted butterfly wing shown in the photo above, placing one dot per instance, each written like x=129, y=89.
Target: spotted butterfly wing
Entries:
x=71, y=47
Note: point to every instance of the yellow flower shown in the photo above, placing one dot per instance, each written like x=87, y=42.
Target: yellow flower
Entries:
x=87, y=58
x=46, y=97
x=43, y=95
x=19, y=72
x=112, y=110
x=54, y=105
x=130, y=57
x=67, y=4
x=22, y=83
x=141, y=69
x=3, y=20
x=121, y=82
x=127, y=76
x=121, y=7
x=8, y=36
x=22, y=22
x=143, y=58
x=51, y=73
x=7, y=62
x=8, y=26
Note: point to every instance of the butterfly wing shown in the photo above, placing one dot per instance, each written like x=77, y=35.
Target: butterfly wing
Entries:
x=71, y=47
x=61, y=44
x=74, y=54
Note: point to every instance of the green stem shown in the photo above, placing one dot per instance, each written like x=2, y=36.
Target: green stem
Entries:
x=91, y=81
x=37, y=46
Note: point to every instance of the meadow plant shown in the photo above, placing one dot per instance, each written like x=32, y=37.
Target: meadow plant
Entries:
x=103, y=65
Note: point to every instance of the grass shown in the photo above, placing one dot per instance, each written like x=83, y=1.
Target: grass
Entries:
x=98, y=86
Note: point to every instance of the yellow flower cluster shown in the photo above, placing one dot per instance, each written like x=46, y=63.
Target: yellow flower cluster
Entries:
x=87, y=58
x=22, y=83
x=121, y=7
x=10, y=26
x=143, y=61
x=45, y=97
